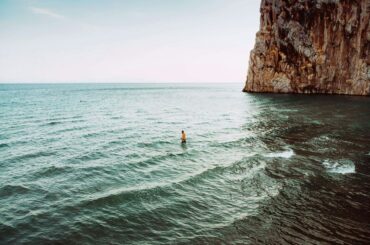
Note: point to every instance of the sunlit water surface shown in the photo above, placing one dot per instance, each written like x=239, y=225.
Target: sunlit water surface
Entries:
x=103, y=164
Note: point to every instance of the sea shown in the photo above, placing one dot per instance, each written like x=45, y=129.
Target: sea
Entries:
x=104, y=164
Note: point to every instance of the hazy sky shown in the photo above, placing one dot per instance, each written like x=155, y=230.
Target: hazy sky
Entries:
x=126, y=40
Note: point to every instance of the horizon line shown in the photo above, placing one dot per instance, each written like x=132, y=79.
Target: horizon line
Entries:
x=87, y=82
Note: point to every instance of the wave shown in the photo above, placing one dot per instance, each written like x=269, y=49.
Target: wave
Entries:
x=7, y=230
x=61, y=120
x=51, y=171
x=89, y=156
x=9, y=190
x=117, y=195
x=154, y=143
x=240, y=142
x=284, y=154
x=31, y=156
x=4, y=145
x=261, y=185
x=154, y=160
x=343, y=166
x=52, y=123
x=65, y=130
x=251, y=168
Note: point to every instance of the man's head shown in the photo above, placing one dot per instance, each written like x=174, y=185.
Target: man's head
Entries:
x=182, y=131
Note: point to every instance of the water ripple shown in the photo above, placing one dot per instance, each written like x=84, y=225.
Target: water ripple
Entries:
x=103, y=164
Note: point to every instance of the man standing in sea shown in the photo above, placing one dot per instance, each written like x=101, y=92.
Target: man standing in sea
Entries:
x=183, y=137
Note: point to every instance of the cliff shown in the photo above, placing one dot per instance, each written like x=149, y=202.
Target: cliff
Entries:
x=312, y=46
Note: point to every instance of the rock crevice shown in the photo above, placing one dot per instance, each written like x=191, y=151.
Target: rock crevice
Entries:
x=312, y=46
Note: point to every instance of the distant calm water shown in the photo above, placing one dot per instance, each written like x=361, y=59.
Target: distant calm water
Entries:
x=103, y=164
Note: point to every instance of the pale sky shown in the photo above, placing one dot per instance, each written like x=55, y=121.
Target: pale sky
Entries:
x=130, y=41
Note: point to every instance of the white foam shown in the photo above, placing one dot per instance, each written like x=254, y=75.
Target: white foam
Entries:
x=324, y=137
x=340, y=167
x=284, y=154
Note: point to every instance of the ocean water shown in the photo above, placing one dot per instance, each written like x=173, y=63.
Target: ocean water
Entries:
x=103, y=164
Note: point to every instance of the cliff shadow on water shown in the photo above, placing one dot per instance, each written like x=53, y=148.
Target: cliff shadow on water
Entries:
x=319, y=157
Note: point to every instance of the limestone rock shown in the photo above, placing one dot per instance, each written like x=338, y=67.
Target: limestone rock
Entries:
x=312, y=46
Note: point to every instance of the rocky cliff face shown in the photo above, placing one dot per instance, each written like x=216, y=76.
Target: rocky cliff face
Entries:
x=312, y=46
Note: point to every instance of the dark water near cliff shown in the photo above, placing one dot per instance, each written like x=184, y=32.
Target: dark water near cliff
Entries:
x=102, y=164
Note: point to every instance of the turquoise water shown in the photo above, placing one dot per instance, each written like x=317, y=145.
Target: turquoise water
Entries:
x=103, y=164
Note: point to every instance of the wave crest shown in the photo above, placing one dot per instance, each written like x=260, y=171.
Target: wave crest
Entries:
x=284, y=154
x=343, y=166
